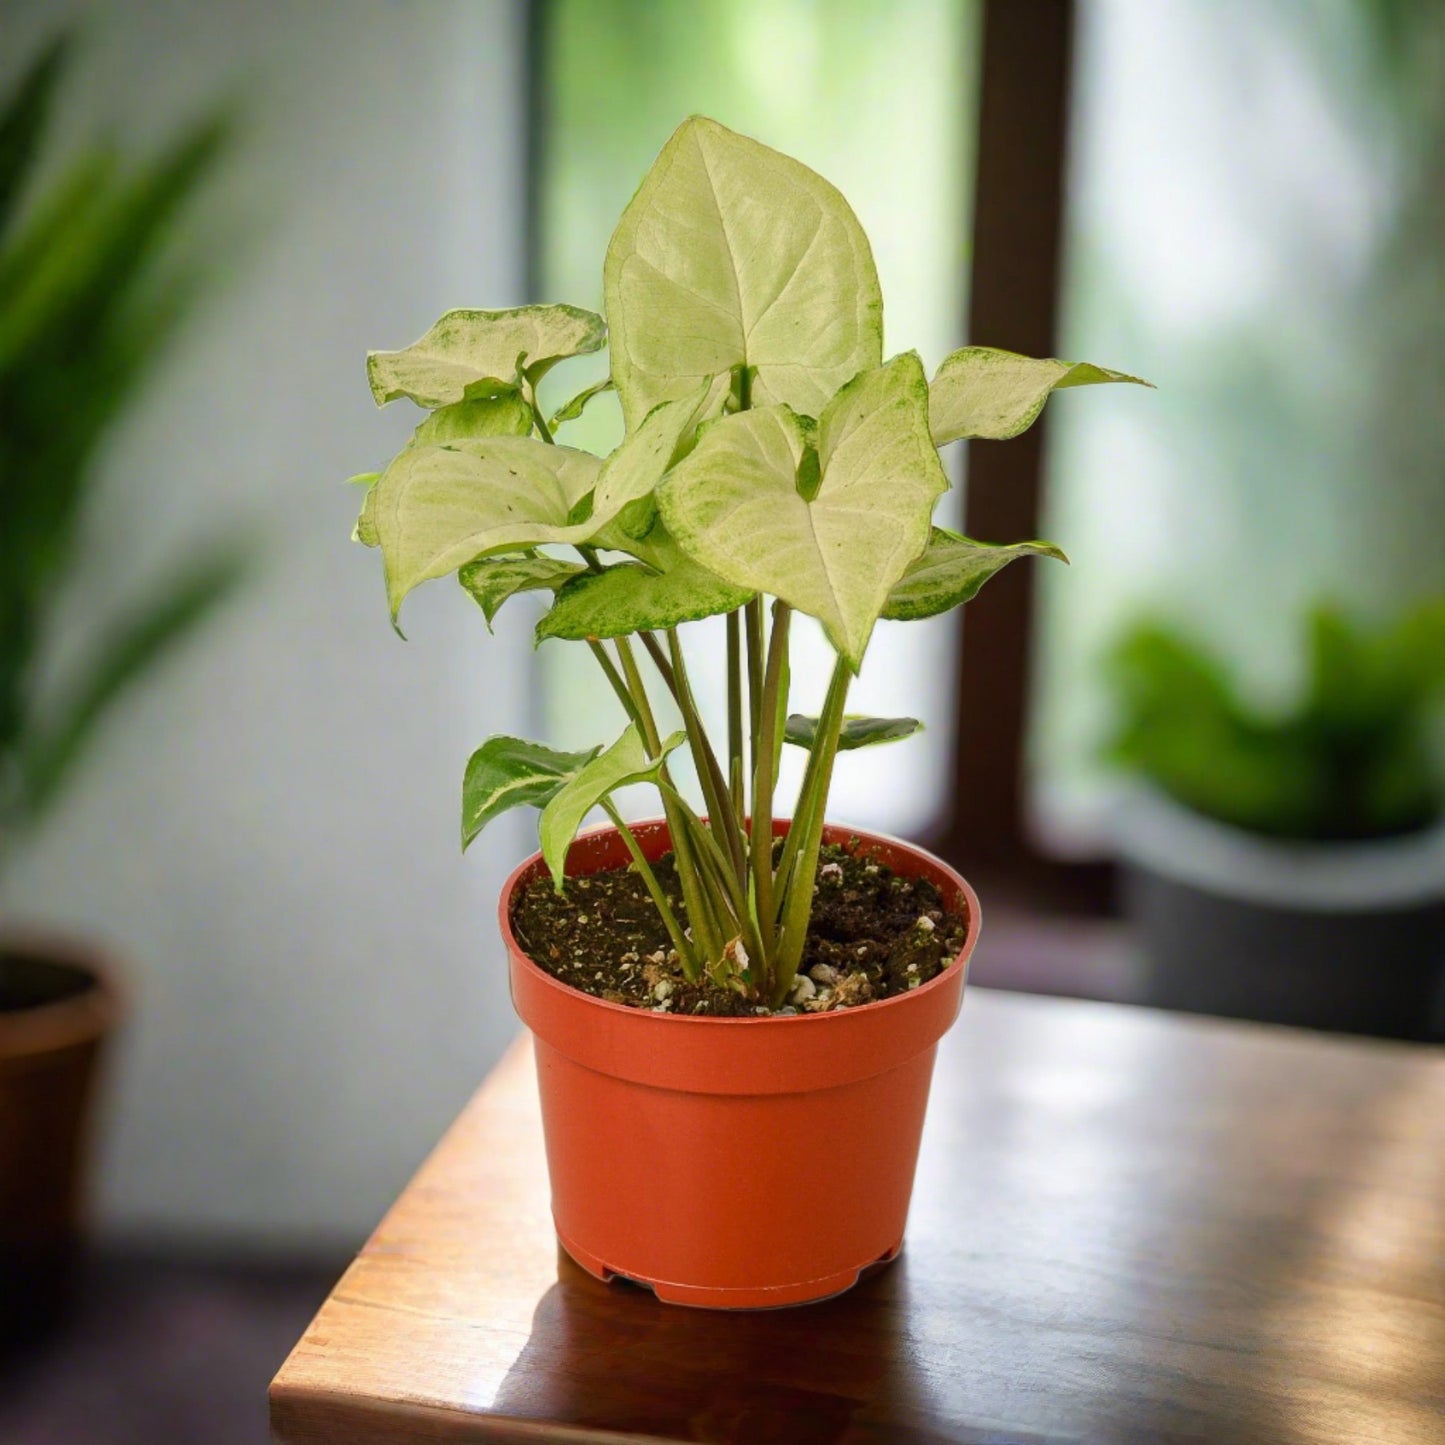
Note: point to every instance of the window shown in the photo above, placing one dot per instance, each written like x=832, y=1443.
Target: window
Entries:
x=1256, y=222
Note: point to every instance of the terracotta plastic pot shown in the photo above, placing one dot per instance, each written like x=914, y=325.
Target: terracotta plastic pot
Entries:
x=734, y=1163
x=58, y=1004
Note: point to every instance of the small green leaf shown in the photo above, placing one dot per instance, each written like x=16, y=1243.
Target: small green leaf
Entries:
x=981, y=392
x=465, y=348
x=626, y=761
x=733, y=503
x=503, y=413
x=492, y=580
x=632, y=598
x=858, y=732
x=437, y=508
x=733, y=255
x=507, y=773
x=572, y=410
x=951, y=571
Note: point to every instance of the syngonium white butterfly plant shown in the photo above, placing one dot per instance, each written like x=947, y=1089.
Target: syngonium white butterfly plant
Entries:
x=773, y=463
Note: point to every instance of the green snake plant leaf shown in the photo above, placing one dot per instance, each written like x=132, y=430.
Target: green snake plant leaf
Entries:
x=128, y=648
x=436, y=508
x=572, y=410
x=733, y=256
x=22, y=123
x=857, y=732
x=829, y=532
x=625, y=762
x=470, y=349
x=951, y=571
x=492, y=580
x=981, y=392
x=506, y=773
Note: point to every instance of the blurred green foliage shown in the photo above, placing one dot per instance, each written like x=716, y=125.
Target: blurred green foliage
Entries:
x=1353, y=759
x=92, y=289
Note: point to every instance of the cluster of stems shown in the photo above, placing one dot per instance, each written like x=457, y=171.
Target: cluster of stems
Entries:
x=748, y=901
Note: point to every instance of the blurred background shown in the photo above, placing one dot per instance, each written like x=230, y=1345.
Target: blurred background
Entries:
x=1200, y=769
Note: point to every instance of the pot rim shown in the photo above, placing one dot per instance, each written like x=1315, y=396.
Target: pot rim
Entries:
x=1155, y=833
x=63, y=1023
x=832, y=832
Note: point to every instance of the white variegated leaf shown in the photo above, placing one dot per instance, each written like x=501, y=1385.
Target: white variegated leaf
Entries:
x=732, y=255
x=436, y=508
x=734, y=504
x=951, y=571
x=466, y=350
x=981, y=392
x=492, y=580
x=641, y=460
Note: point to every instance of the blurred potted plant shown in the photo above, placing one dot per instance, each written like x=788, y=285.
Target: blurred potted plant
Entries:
x=90, y=293
x=735, y=1016
x=1290, y=867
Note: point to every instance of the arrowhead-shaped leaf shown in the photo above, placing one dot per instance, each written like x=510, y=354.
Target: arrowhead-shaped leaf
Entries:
x=626, y=761
x=981, y=392
x=436, y=508
x=492, y=580
x=470, y=348
x=731, y=255
x=951, y=571
x=503, y=413
x=735, y=504
x=857, y=732
x=507, y=773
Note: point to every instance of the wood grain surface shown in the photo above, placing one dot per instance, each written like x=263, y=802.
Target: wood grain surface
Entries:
x=1127, y=1226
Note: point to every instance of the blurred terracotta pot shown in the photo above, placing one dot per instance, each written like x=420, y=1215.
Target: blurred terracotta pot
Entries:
x=734, y=1163
x=58, y=1005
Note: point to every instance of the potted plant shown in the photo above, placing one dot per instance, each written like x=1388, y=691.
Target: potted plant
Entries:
x=88, y=297
x=735, y=1012
x=1290, y=867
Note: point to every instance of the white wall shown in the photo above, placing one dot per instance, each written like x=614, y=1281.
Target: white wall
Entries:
x=268, y=831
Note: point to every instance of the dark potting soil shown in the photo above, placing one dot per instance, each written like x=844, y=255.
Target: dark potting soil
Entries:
x=873, y=934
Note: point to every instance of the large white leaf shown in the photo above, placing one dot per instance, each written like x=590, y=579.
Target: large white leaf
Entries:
x=980, y=392
x=735, y=504
x=467, y=349
x=729, y=255
x=625, y=762
x=436, y=508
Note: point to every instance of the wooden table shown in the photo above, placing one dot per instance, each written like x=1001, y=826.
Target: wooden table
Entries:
x=1128, y=1226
